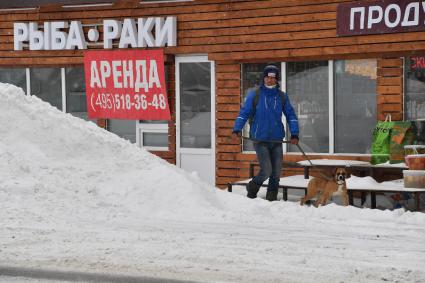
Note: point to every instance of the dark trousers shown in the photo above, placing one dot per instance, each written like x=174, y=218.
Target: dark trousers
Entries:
x=269, y=157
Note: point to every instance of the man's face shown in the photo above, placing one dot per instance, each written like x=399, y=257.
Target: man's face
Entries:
x=270, y=81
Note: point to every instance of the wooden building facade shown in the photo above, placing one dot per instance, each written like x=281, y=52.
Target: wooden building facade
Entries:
x=237, y=36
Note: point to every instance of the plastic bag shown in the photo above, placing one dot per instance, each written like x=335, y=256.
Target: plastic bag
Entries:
x=401, y=135
x=381, y=141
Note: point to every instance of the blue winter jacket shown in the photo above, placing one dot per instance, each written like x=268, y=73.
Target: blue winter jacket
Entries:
x=267, y=124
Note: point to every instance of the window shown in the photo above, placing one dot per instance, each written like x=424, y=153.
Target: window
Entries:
x=415, y=88
x=64, y=88
x=307, y=84
x=15, y=76
x=414, y=98
x=355, y=105
x=46, y=83
x=153, y=135
x=76, y=102
x=335, y=102
x=125, y=129
x=195, y=104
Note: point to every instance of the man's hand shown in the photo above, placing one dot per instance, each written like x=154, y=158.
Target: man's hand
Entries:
x=237, y=134
x=294, y=140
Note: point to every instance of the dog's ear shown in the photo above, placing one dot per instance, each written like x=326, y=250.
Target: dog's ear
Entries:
x=335, y=177
x=348, y=173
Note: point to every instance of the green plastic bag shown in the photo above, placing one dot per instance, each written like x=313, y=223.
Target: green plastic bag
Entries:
x=401, y=135
x=381, y=141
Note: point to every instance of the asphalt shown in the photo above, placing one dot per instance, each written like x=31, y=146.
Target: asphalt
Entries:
x=71, y=276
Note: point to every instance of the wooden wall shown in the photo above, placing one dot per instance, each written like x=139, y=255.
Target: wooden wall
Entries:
x=232, y=32
x=226, y=30
x=390, y=88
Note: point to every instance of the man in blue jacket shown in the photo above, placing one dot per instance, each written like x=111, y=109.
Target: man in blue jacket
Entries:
x=264, y=108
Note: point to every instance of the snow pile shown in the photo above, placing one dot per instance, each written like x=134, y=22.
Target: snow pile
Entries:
x=59, y=163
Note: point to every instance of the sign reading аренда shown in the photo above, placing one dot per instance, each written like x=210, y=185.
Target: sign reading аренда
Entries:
x=126, y=84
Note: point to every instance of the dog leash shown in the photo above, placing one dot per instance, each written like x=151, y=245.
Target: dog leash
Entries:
x=282, y=141
x=299, y=148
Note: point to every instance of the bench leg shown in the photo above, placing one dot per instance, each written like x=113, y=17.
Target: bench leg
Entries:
x=285, y=194
x=363, y=197
x=373, y=199
x=417, y=202
x=229, y=187
x=350, y=198
x=306, y=172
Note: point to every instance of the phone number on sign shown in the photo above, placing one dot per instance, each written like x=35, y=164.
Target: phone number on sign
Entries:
x=127, y=101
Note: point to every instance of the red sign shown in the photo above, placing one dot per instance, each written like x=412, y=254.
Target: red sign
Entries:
x=417, y=63
x=126, y=84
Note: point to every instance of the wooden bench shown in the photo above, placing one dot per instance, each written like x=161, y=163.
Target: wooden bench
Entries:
x=380, y=172
x=298, y=182
x=360, y=168
x=396, y=186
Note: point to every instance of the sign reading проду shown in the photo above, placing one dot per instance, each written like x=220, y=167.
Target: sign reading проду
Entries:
x=126, y=84
x=376, y=17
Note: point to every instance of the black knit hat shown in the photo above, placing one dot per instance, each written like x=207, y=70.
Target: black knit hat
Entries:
x=271, y=71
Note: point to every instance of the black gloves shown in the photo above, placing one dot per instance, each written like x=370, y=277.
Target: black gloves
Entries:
x=237, y=133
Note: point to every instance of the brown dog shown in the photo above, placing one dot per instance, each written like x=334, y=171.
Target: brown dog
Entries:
x=324, y=187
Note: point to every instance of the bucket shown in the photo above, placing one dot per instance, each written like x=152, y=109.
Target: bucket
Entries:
x=415, y=161
x=414, y=178
x=414, y=149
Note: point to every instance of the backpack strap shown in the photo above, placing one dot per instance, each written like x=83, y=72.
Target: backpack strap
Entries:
x=257, y=97
x=283, y=98
x=254, y=105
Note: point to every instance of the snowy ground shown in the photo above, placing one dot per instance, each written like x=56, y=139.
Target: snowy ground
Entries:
x=75, y=197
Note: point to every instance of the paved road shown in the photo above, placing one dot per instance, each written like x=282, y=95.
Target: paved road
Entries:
x=17, y=274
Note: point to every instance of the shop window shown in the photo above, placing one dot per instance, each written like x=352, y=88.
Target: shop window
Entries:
x=335, y=103
x=414, y=99
x=64, y=88
x=15, y=76
x=76, y=101
x=153, y=135
x=195, y=105
x=307, y=84
x=355, y=105
x=45, y=83
x=125, y=129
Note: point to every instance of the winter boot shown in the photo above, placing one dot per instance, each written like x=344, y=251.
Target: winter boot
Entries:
x=252, y=188
x=271, y=195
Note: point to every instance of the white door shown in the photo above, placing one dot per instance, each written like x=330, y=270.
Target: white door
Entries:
x=195, y=116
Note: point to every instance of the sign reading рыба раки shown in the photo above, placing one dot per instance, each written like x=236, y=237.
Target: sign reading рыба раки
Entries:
x=129, y=33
